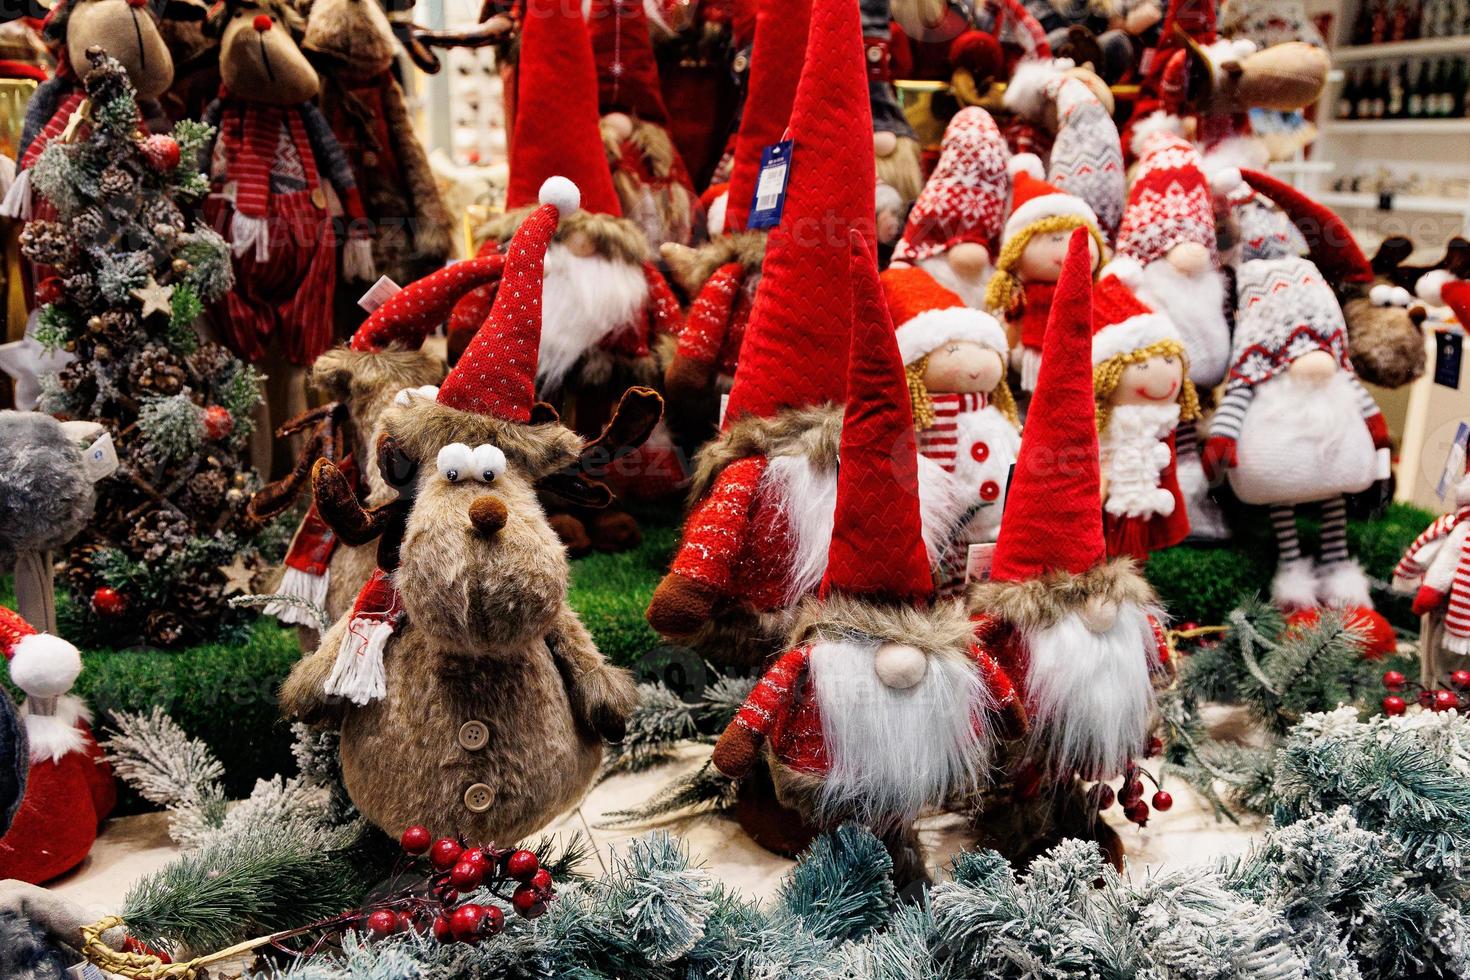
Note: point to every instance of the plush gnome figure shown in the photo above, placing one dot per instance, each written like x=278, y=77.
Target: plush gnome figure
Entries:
x=490, y=700
x=68, y=788
x=648, y=172
x=1086, y=154
x=1140, y=380
x=953, y=229
x=352, y=46
x=1166, y=250
x=722, y=275
x=1081, y=633
x=1033, y=247
x=955, y=363
x=1435, y=570
x=882, y=704
x=1294, y=425
x=895, y=145
x=762, y=495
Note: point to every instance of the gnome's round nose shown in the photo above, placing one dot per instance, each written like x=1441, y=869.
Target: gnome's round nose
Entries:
x=488, y=515
x=900, y=666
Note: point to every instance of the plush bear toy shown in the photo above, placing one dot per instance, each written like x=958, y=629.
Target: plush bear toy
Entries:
x=483, y=702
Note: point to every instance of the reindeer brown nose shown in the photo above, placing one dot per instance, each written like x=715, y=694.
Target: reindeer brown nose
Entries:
x=488, y=515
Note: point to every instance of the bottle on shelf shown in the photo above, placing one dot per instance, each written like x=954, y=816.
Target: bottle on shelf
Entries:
x=1419, y=93
x=1347, y=98
x=1378, y=31
x=1380, y=93
x=1459, y=79
x=1398, y=83
x=1362, y=32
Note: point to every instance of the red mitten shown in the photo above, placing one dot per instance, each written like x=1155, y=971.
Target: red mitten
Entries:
x=1219, y=456
x=1378, y=429
x=1427, y=600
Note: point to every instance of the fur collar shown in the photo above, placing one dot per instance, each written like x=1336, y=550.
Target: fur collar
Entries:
x=614, y=237
x=814, y=432
x=1040, y=602
x=942, y=628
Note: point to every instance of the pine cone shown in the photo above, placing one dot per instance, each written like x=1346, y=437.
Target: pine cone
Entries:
x=117, y=328
x=115, y=182
x=162, y=211
x=45, y=242
x=159, y=534
x=198, y=597
x=163, y=628
x=90, y=225
x=154, y=369
x=80, y=572
x=107, y=78
x=81, y=288
x=205, y=492
x=211, y=362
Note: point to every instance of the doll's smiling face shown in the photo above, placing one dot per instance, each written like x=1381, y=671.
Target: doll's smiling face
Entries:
x=963, y=366
x=1156, y=381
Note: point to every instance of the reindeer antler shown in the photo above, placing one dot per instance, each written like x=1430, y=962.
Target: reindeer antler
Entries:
x=633, y=420
x=326, y=442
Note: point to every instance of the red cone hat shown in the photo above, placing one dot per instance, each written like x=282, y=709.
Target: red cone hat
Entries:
x=776, y=58
x=556, y=110
x=795, y=348
x=496, y=375
x=627, y=74
x=1053, y=515
x=1334, y=249
x=410, y=314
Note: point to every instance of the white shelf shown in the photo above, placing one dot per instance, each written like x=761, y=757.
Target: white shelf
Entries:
x=1424, y=47
x=1396, y=127
x=1401, y=202
x=1301, y=166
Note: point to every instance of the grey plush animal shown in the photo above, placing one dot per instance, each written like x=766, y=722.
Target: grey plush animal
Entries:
x=15, y=763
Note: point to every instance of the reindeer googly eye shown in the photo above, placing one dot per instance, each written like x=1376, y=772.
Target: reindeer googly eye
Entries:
x=455, y=462
x=1401, y=297
x=1381, y=294
x=489, y=463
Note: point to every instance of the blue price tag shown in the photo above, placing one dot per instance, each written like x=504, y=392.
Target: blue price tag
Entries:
x=770, y=187
x=1449, y=348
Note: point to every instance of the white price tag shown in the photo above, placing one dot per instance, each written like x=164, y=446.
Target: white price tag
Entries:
x=379, y=293
x=100, y=458
x=978, y=560
x=1454, y=464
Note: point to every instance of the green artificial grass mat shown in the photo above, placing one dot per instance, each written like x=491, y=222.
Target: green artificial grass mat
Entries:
x=224, y=693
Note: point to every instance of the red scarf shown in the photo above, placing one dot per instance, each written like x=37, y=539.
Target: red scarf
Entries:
x=53, y=128
x=1036, y=306
x=251, y=132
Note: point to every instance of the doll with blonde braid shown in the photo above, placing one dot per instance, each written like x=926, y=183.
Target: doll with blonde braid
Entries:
x=1140, y=381
x=955, y=361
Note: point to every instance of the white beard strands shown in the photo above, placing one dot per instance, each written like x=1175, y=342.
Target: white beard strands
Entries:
x=1089, y=694
x=1196, y=304
x=973, y=293
x=893, y=752
x=943, y=504
x=584, y=300
x=806, y=498
x=1134, y=455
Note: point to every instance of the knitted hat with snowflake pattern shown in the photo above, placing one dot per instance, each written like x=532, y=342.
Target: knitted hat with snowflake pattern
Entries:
x=556, y=122
x=1037, y=208
x=964, y=199
x=416, y=310
x=776, y=58
x=1053, y=518
x=877, y=545
x=496, y=375
x=928, y=315
x=795, y=349
x=1169, y=202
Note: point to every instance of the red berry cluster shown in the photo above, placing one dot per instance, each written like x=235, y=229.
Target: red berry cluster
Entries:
x=1130, y=795
x=1435, y=699
x=458, y=870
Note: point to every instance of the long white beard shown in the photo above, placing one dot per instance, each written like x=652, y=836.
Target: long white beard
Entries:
x=971, y=291
x=584, y=300
x=806, y=497
x=893, y=752
x=943, y=502
x=1134, y=455
x=1196, y=304
x=1089, y=694
x=1317, y=416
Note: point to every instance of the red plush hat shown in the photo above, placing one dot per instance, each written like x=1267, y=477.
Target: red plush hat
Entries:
x=965, y=197
x=1456, y=296
x=928, y=315
x=556, y=121
x=1122, y=323
x=795, y=348
x=877, y=545
x=1053, y=519
x=775, y=68
x=627, y=74
x=1334, y=249
x=416, y=310
x=496, y=375
x=978, y=53
x=1169, y=201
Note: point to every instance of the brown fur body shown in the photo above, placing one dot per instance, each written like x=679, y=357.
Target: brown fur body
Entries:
x=1385, y=343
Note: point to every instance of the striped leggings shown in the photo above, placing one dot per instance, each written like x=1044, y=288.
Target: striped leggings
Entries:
x=1334, y=532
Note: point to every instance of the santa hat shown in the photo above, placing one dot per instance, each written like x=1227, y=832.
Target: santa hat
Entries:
x=1053, y=518
x=41, y=665
x=964, y=198
x=1121, y=323
x=1332, y=245
x=928, y=315
x=775, y=68
x=416, y=310
x=627, y=73
x=795, y=348
x=1170, y=201
x=496, y=375
x=877, y=545
x=1456, y=295
x=1036, y=208
x=556, y=120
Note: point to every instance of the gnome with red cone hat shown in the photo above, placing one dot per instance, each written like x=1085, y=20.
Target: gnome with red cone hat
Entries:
x=1081, y=634
x=883, y=704
x=68, y=787
x=757, y=536
x=474, y=699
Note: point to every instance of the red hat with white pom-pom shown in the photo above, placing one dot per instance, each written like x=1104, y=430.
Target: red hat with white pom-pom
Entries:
x=1170, y=200
x=1122, y=323
x=41, y=665
x=928, y=315
x=496, y=375
x=415, y=311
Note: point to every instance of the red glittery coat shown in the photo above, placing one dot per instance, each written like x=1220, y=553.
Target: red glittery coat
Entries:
x=715, y=325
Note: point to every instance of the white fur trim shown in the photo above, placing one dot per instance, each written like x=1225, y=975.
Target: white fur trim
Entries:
x=304, y=586
x=1131, y=334
x=1226, y=181
x=54, y=733
x=357, y=260
x=1342, y=585
x=1154, y=122
x=943, y=503
x=248, y=233
x=1027, y=163
x=1125, y=268
x=923, y=333
x=1430, y=285
x=806, y=498
x=1294, y=586
x=1026, y=361
x=1027, y=91
x=1048, y=206
x=18, y=203
x=714, y=219
x=44, y=666
x=1240, y=152
x=357, y=674
x=561, y=193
